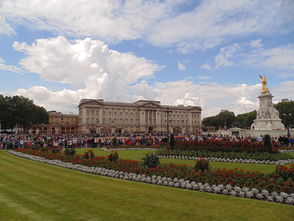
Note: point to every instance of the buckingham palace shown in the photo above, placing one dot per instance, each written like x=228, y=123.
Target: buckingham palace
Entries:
x=143, y=116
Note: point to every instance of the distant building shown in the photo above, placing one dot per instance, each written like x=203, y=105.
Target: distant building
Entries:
x=209, y=129
x=58, y=124
x=99, y=116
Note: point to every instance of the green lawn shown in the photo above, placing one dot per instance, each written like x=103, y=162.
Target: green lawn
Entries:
x=123, y=154
x=139, y=154
x=34, y=191
x=263, y=168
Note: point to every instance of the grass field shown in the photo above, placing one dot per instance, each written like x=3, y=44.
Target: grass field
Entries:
x=139, y=154
x=123, y=154
x=34, y=191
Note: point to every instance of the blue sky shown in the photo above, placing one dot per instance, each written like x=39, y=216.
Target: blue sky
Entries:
x=207, y=53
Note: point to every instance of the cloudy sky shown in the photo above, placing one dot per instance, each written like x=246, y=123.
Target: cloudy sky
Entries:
x=191, y=52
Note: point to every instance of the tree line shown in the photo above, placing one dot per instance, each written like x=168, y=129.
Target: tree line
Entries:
x=227, y=119
x=21, y=111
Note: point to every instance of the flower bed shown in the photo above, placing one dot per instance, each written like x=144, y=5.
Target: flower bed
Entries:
x=244, y=157
x=237, y=177
x=286, y=151
x=215, y=145
x=228, y=160
x=169, y=176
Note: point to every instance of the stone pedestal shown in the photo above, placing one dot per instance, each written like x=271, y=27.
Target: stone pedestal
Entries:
x=267, y=117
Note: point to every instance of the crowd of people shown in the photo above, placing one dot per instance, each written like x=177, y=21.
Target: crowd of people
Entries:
x=12, y=141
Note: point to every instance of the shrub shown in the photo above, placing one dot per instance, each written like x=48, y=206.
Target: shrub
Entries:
x=202, y=165
x=113, y=156
x=89, y=154
x=151, y=160
x=69, y=152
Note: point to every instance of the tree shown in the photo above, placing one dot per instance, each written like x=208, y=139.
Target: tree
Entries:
x=210, y=121
x=245, y=120
x=286, y=107
x=224, y=118
x=18, y=110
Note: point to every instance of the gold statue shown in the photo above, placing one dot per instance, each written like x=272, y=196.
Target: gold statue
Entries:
x=264, y=89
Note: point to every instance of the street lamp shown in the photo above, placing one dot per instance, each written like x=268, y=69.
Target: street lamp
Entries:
x=288, y=116
x=167, y=120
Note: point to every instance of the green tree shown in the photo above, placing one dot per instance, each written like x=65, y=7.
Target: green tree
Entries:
x=245, y=120
x=224, y=119
x=20, y=110
x=210, y=121
x=286, y=111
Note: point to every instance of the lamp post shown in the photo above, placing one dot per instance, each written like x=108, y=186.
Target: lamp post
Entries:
x=167, y=120
x=288, y=116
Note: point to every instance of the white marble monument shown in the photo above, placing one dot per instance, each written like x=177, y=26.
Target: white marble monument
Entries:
x=267, y=117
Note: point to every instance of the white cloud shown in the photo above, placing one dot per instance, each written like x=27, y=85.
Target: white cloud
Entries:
x=256, y=43
x=245, y=101
x=214, y=22
x=111, y=20
x=188, y=100
x=226, y=53
x=88, y=65
x=207, y=25
x=64, y=100
x=283, y=91
x=203, y=77
x=279, y=59
x=181, y=66
x=9, y=67
x=5, y=28
x=212, y=97
x=206, y=67
x=221, y=61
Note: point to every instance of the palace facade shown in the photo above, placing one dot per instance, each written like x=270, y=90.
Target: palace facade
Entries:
x=99, y=116
x=58, y=124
